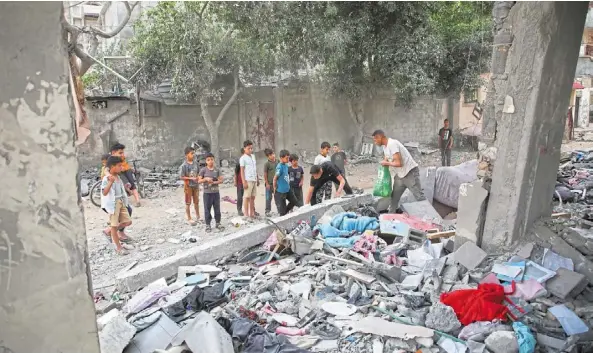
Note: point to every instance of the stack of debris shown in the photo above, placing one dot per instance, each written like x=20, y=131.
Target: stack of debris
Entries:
x=575, y=178
x=359, y=282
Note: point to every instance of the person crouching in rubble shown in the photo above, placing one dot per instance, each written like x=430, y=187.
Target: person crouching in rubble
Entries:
x=211, y=177
x=322, y=174
x=114, y=201
x=405, y=169
x=281, y=182
x=188, y=172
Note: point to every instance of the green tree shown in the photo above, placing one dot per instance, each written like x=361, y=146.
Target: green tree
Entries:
x=354, y=48
x=207, y=59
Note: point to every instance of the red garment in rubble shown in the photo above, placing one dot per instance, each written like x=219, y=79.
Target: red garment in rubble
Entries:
x=482, y=304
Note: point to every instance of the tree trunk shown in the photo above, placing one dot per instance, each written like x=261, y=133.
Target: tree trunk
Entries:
x=210, y=125
x=356, y=110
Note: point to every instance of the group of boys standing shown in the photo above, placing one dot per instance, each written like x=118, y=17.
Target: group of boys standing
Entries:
x=284, y=178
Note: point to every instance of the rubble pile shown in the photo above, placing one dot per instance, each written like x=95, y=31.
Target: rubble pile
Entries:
x=354, y=282
x=575, y=178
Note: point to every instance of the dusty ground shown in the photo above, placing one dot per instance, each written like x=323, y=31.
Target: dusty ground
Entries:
x=162, y=218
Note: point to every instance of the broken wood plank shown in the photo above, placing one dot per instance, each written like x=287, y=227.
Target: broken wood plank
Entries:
x=362, y=277
x=566, y=215
x=439, y=235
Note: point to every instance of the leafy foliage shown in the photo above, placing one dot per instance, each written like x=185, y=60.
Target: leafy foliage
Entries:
x=413, y=48
x=188, y=44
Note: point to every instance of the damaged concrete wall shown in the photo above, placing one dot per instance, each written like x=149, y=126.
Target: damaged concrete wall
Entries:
x=532, y=102
x=159, y=140
x=46, y=304
x=302, y=117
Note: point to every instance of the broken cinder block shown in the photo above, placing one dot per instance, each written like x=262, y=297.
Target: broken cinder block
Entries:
x=469, y=255
x=566, y=283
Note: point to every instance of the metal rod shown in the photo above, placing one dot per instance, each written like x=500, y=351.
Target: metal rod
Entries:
x=108, y=69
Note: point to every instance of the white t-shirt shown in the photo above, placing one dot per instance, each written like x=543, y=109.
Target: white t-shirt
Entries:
x=319, y=160
x=408, y=163
x=248, y=162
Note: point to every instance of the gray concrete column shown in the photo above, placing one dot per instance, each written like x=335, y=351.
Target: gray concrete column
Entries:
x=533, y=100
x=45, y=296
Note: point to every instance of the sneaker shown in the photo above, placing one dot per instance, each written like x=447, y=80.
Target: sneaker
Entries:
x=208, y=229
x=267, y=214
x=241, y=214
x=219, y=227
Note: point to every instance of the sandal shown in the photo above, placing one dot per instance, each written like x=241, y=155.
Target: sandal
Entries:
x=122, y=252
x=192, y=223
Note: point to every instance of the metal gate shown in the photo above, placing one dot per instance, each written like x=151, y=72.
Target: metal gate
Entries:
x=260, y=124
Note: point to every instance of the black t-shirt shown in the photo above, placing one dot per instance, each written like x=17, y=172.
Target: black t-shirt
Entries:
x=446, y=135
x=339, y=159
x=329, y=173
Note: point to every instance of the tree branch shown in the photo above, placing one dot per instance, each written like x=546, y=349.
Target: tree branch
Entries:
x=231, y=100
x=203, y=9
x=119, y=28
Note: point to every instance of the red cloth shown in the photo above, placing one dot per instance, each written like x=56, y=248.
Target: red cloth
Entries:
x=482, y=304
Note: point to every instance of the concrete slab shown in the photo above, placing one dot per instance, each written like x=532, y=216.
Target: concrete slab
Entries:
x=566, y=283
x=423, y=210
x=554, y=242
x=469, y=255
x=471, y=213
x=148, y=272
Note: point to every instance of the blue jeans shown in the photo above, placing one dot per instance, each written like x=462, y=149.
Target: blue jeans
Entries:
x=269, y=195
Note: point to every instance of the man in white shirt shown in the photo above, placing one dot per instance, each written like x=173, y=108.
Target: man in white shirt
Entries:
x=250, y=179
x=406, y=174
x=325, y=191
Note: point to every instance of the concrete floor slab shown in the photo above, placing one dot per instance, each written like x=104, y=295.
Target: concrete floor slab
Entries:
x=145, y=273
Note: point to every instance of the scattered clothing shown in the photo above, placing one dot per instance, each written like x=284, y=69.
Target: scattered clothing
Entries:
x=255, y=339
x=349, y=221
x=524, y=337
x=482, y=304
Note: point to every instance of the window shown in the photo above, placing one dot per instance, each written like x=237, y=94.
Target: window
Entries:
x=470, y=96
x=151, y=109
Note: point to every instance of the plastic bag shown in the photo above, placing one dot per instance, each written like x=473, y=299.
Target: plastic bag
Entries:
x=383, y=184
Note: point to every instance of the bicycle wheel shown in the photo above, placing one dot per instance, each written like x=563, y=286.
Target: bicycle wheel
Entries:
x=95, y=194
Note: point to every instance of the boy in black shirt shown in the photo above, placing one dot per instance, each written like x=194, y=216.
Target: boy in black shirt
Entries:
x=339, y=158
x=324, y=173
x=296, y=174
x=445, y=143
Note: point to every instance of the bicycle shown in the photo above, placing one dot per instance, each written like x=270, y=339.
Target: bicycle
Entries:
x=95, y=192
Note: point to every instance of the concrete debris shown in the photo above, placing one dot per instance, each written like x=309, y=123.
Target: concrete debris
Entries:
x=502, y=342
x=372, y=296
x=116, y=332
x=442, y=318
x=469, y=255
